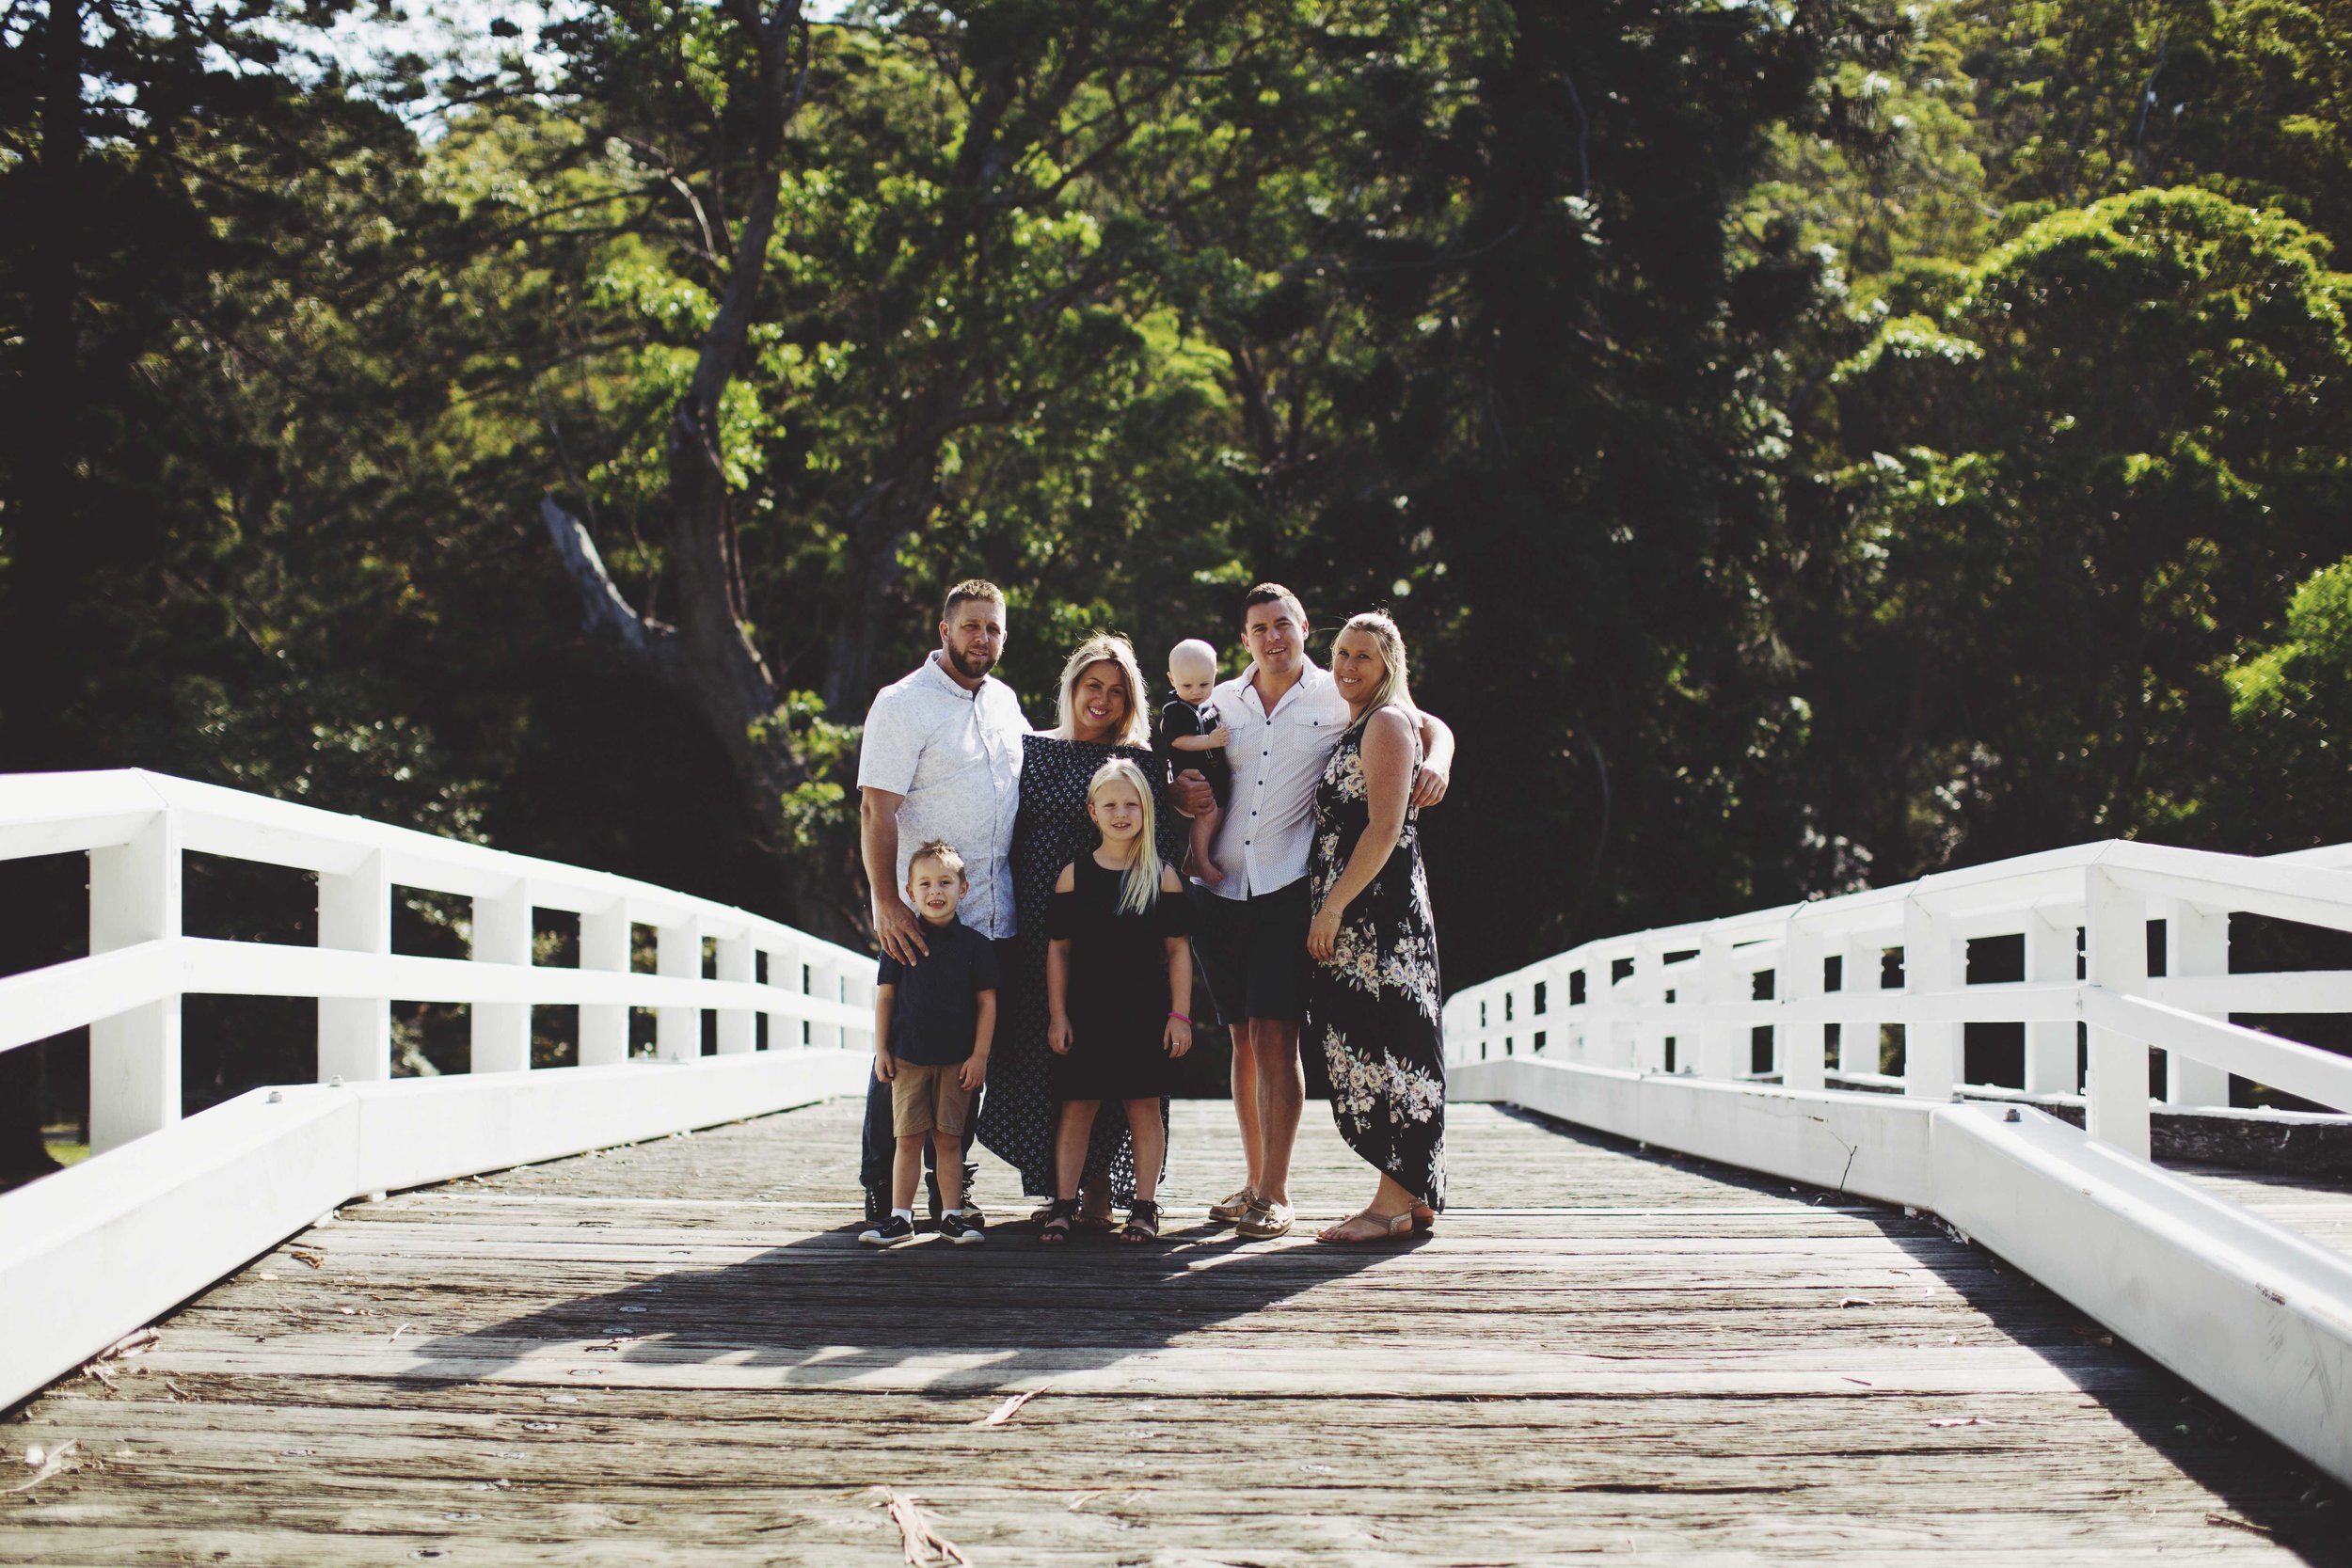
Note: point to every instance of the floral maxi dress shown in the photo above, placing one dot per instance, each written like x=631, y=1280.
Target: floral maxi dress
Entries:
x=1372, y=1009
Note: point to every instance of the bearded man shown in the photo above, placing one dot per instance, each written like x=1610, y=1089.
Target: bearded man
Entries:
x=941, y=760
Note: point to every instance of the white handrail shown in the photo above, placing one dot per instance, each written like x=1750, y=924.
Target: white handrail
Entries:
x=1769, y=982
x=138, y=826
x=168, y=1205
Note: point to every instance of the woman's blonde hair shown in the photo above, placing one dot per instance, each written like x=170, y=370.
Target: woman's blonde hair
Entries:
x=1106, y=647
x=1393, y=689
x=1140, y=888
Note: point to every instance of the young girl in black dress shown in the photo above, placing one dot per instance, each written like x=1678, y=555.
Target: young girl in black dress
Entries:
x=1116, y=951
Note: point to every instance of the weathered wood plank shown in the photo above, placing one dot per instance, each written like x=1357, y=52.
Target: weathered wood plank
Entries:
x=674, y=1352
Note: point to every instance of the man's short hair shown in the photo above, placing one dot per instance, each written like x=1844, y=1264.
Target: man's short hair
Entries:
x=1274, y=592
x=971, y=587
x=943, y=852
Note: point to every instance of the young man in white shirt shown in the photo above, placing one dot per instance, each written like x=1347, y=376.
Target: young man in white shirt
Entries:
x=941, y=759
x=1250, y=938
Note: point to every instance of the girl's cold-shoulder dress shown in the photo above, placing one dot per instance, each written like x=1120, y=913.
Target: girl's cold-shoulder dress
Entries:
x=1372, y=1009
x=1021, y=1111
x=1118, y=985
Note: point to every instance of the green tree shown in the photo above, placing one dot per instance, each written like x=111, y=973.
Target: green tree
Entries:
x=2291, y=711
x=2079, y=487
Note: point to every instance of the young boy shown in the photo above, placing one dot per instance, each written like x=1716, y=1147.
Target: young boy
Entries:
x=1191, y=736
x=933, y=1023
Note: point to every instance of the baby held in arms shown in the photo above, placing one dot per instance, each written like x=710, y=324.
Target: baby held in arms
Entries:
x=1192, y=735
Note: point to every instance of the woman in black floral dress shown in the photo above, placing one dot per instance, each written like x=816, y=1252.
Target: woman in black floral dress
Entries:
x=1372, y=994
x=1101, y=712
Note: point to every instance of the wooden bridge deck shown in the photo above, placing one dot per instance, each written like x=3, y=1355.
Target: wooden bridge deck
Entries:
x=674, y=1352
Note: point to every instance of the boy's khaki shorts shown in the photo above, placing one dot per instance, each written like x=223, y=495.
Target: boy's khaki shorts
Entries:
x=928, y=1099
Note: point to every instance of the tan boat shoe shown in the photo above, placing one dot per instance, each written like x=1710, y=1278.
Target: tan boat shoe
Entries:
x=1232, y=1208
x=1265, y=1221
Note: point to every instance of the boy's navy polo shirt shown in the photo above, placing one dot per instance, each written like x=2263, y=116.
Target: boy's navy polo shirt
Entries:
x=937, y=1009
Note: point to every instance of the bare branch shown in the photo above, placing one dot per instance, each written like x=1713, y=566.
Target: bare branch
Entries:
x=606, y=611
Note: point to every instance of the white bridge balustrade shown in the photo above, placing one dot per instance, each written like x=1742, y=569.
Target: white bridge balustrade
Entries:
x=1716, y=1039
x=165, y=1206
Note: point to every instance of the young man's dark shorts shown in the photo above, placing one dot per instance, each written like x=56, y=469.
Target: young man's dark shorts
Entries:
x=1253, y=952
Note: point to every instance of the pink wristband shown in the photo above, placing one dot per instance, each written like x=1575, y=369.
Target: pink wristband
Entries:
x=1180, y=1017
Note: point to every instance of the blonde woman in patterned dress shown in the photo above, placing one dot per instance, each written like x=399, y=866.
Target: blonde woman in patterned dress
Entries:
x=1372, y=994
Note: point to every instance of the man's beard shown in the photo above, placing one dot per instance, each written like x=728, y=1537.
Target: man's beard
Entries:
x=971, y=666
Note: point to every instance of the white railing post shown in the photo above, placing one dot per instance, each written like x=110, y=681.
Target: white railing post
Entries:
x=859, y=990
x=502, y=935
x=824, y=985
x=738, y=1031
x=604, y=946
x=2195, y=943
x=1802, y=1046
x=356, y=916
x=1644, y=1042
x=1721, y=1048
x=2051, y=956
x=2115, y=926
x=1858, y=1038
x=784, y=976
x=135, y=1055
x=1930, y=968
x=678, y=1032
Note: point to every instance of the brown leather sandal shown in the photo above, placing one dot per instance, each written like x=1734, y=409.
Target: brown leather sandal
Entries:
x=1393, y=1228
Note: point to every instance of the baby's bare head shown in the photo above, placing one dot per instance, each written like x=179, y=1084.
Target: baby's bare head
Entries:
x=1192, y=670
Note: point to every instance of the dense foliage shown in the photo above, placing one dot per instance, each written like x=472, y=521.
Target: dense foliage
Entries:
x=1804, y=445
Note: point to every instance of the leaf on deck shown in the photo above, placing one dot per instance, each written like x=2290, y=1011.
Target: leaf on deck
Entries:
x=1011, y=1407
x=46, y=1464
x=922, y=1543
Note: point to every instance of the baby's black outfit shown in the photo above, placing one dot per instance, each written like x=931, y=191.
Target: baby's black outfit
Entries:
x=1179, y=717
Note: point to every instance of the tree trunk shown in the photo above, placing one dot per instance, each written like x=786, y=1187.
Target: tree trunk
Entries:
x=707, y=656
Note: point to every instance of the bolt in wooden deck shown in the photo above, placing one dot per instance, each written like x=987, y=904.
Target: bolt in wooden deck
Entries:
x=675, y=1352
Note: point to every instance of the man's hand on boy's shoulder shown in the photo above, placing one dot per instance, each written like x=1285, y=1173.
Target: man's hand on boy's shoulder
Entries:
x=900, y=931
x=975, y=1070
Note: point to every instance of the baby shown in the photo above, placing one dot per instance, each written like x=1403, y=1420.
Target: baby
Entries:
x=1191, y=736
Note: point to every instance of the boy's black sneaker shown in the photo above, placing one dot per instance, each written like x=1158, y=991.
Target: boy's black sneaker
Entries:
x=892, y=1230
x=963, y=1227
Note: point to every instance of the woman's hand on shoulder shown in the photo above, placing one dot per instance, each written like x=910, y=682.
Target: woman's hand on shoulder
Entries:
x=1068, y=881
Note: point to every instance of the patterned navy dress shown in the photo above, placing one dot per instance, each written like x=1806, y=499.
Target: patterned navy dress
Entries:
x=1019, y=1117
x=1372, y=1009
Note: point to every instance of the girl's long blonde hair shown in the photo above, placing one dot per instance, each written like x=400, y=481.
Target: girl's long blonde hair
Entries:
x=1394, y=688
x=1107, y=647
x=1140, y=888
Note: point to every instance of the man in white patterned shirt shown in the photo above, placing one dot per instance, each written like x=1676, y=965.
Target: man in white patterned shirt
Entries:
x=1250, y=931
x=941, y=759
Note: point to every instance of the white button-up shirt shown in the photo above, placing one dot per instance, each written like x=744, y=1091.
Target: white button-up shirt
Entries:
x=956, y=756
x=1278, y=758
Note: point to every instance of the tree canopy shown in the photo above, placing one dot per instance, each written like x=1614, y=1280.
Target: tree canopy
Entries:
x=1803, y=444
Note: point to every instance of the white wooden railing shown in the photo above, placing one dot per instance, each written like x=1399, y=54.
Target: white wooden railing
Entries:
x=1755, y=996
x=1715, y=1038
x=164, y=1207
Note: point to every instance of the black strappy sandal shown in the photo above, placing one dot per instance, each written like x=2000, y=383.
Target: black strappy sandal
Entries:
x=1143, y=1223
x=1053, y=1230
